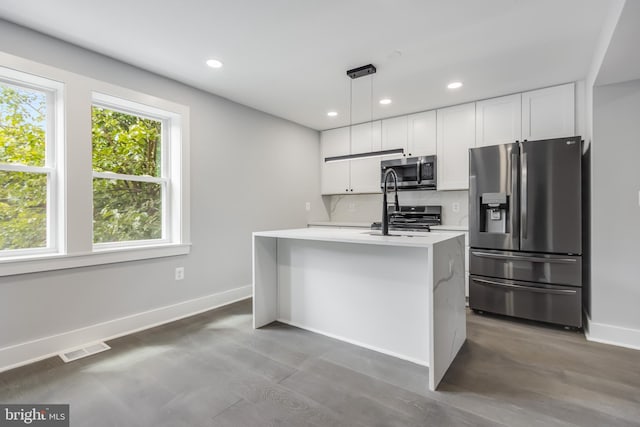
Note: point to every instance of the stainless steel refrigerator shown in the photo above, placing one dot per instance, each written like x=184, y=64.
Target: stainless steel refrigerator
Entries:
x=525, y=230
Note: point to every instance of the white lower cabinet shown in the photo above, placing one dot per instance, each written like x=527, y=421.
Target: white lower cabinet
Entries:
x=456, y=134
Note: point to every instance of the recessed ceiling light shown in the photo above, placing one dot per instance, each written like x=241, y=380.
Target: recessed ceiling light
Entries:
x=214, y=63
x=454, y=85
x=385, y=101
x=332, y=113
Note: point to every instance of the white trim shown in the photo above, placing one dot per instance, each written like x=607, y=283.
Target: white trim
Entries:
x=610, y=334
x=125, y=177
x=47, y=262
x=19, y=167
x=24, y=353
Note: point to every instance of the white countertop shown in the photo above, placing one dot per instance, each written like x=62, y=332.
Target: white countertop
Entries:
x=344, y=235
x=340, y=224
x=368, y=225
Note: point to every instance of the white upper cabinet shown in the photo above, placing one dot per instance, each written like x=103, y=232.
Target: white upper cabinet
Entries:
x=456, y=134
x=351, y=176
x=394, y=135
x=335, y=175
x=365, y=137
x=365, y=173
x=499, y=120
x=549, y=113
x=421, y=139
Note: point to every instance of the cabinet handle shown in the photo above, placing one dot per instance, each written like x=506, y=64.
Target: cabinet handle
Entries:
x=346, y=189
x=352, y=189
x=525, y=288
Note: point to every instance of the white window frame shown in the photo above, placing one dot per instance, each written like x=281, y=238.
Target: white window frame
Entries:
x=54, y=159
x=168, y=123
x=71, y=208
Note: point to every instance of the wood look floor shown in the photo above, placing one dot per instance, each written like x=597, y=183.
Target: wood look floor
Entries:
x=215, y=370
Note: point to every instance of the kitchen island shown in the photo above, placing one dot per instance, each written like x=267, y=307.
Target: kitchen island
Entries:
x=400, y=295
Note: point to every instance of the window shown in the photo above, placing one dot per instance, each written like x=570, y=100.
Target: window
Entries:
x=28, y=175
x=131, y=173
x=90, y=172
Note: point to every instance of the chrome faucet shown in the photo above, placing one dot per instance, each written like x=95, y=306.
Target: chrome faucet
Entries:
x=385, y=213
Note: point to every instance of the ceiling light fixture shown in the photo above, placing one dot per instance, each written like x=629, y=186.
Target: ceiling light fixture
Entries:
x=365, y=70
x=214, y=63
x=454, y=85
x=385, y=101
x=332, y=113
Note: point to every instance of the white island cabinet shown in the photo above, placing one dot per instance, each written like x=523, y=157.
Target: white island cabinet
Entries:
x=399, y=295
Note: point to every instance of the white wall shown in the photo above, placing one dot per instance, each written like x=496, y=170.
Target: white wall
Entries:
x=249, y=171
x=615, y=215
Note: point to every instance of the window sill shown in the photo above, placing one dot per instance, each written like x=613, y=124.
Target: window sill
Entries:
x=49, y=262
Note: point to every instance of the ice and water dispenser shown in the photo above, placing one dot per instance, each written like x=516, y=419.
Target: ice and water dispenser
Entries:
x=494, y=213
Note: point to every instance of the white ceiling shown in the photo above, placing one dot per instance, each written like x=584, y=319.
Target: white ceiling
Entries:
x=289, y=57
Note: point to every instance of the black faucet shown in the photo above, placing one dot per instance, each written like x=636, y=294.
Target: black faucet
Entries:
x=385, y=213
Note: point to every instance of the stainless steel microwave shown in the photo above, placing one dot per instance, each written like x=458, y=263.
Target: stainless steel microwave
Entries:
x=414, y=173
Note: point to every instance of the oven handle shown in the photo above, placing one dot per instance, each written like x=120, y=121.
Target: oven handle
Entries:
x=525, y=258
x=526, y=288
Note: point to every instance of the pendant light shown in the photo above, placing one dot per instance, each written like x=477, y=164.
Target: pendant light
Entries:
x=365, y=70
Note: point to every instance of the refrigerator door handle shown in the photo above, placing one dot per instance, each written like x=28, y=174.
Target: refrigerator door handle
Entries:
x=526, y=288
x=524, y=258
x=523, y=197
x=514, y=200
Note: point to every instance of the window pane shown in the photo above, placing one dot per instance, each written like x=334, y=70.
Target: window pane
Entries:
x=126, y=210
x=23, y=114
x=23, y=210
x=126, y=144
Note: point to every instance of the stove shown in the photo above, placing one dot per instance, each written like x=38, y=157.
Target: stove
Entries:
x=412, y=218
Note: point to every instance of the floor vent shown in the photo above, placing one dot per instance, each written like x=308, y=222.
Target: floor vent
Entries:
x=79, y=353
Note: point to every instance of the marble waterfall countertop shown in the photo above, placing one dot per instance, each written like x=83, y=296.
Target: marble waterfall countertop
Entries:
x=402, y=294
x=371, y=237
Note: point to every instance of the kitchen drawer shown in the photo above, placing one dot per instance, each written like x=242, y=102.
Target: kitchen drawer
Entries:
x=555, y=304
x=530, y=267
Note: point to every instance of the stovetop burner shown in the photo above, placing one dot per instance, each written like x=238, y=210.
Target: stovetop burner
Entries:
x=412, y=218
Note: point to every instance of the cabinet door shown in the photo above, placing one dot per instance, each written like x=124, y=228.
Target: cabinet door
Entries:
x=334, y=175
x=456, y=134
x=499, y=121
x=421, y=139
x=365, y=137
x=549, y=113
x=394, y=135
x=365, y=173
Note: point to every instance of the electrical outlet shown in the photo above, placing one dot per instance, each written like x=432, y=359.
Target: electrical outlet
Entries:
x=179, y=273
x=307, y=206
x=455, y=207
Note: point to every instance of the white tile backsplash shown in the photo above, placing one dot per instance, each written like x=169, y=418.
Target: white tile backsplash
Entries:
x=368, y=207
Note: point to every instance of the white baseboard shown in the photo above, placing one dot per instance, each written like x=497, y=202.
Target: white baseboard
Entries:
x=42, y=348
x=609, y=334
